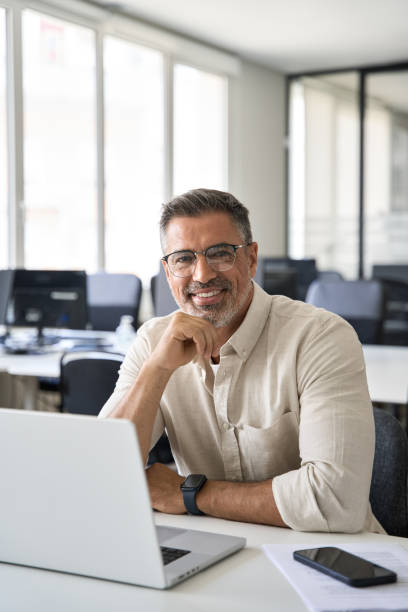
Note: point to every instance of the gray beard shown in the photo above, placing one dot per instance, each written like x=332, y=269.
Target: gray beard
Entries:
x=220, y=315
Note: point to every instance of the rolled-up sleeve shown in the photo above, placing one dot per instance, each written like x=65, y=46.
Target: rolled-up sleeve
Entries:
x=330, y=490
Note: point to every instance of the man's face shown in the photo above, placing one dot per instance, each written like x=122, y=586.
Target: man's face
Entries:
x=220, y=297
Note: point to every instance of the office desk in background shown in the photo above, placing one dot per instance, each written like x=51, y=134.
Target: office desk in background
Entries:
x=26, y=369
x=387, y=372
x=245, y=581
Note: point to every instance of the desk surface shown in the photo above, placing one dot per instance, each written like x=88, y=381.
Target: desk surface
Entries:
x=387, y=373
x=46, y=364
x=387, y=370
x=245, y=581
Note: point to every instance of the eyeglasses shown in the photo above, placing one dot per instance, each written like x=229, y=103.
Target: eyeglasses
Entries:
x=220, y=258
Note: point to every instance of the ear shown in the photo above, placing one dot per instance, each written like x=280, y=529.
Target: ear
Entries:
x=253, y=257
x=167, y=271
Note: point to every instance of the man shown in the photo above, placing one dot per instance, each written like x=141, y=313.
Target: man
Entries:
x=262, y=396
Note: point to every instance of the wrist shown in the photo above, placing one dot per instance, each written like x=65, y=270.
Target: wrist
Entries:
x=190, y=487
x=154, y=367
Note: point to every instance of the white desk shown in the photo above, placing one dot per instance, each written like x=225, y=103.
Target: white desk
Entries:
x=46, y=365
x=387, y=370
x=387, y=373
x=245, y=581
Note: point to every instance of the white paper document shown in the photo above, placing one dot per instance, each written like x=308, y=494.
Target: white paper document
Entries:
x=322, y=593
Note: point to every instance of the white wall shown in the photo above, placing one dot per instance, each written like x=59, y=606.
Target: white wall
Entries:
x=257, y=154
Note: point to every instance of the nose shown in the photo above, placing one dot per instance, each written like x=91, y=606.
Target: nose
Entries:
x=203, y=272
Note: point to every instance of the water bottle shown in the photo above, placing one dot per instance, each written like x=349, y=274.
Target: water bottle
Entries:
x=125, y=333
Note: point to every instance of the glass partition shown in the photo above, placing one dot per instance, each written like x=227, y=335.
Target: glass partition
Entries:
x=323, y=171
x=386, y=169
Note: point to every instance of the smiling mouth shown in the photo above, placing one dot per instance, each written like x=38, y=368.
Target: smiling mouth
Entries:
x=207, y=294
x=208, y=298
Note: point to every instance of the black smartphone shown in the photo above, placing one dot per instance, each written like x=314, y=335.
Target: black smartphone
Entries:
x=344, y=566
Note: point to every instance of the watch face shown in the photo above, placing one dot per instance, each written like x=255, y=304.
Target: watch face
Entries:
x=193, y=481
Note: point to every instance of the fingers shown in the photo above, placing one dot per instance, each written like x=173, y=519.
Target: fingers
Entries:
x=199, y=331
x=185, y=337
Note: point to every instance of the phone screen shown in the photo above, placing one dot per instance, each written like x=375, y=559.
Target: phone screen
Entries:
x=344, y=565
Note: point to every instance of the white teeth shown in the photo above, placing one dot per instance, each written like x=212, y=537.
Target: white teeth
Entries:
x=206, y=295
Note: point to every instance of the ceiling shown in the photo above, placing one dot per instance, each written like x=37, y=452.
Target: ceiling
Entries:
x=287, y=35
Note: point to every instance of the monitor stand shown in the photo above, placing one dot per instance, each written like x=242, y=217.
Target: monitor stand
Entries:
x=42, y=340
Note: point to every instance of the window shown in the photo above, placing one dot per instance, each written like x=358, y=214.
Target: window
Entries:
x=200, y=127
x=3, y=146
x=59, y=85
x=96, y=146
x=134, y=156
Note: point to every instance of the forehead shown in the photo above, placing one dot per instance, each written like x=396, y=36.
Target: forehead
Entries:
x=197, y=233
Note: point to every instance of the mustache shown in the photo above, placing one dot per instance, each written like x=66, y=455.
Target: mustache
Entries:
x=215, y=283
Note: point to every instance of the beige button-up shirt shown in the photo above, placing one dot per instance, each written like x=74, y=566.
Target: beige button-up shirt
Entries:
x=289, y=401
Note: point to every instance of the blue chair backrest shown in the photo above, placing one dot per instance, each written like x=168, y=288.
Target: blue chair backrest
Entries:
x=360, y=302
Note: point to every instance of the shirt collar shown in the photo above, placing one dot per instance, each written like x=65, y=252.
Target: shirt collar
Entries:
x=247, y=334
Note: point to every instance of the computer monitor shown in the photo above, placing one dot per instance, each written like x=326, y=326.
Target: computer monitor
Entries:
x=394, y=279
x=305, y=268
x=6, y=282
x=306, y=273
x=398, y=272
x=48, y=298
x=280, y=281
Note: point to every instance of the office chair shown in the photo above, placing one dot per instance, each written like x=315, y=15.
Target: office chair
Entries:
x=389, y=490
x=361, y=303
x=110, y=296
x=87, y=381
x=162, y=297
x=329, y=275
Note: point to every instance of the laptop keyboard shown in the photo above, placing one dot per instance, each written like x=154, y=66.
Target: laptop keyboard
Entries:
x=171, y=554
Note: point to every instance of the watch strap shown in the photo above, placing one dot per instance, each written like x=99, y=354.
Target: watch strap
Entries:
x=189, y=498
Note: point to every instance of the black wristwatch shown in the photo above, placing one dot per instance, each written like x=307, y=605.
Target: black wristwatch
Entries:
x=190, y=487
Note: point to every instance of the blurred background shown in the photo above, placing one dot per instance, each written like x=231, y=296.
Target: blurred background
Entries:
x=108, y=109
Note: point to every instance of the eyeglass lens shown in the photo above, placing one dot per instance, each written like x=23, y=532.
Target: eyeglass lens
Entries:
x=220, y=258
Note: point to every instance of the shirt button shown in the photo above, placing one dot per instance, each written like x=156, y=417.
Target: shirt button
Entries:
x=226, y=426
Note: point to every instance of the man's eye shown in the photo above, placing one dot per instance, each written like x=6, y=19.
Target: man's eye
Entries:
x=184, y=259
x=220, y=253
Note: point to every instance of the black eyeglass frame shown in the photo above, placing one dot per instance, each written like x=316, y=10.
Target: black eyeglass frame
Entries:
x=204, y=252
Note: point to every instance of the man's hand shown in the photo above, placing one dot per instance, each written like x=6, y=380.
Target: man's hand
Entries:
x=184, y=338
x=164, y=487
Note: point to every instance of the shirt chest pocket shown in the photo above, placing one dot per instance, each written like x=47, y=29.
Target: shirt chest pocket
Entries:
x=269, y=451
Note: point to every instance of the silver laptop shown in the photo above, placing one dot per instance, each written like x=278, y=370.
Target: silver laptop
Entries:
x=74, y=498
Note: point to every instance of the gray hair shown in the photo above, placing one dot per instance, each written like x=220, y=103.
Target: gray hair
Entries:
x=199, y=202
